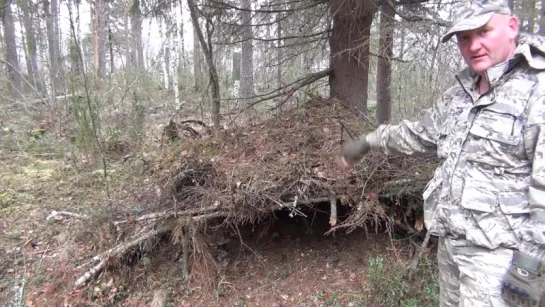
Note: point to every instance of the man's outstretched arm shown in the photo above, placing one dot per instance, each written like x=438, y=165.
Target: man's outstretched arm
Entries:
x=408, y=138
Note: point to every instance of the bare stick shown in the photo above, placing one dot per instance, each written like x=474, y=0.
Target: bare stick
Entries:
x=123, y=248
x=416, y=258
x=185, y=250
x=333, y=218
x=58, y=215
x=289, y=91
x=166, y=214
x=115, y=251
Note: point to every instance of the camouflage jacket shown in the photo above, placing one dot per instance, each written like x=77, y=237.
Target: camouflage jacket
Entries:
x=490, y=186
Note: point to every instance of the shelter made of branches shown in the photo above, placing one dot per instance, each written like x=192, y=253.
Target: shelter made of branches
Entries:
x=243, y=174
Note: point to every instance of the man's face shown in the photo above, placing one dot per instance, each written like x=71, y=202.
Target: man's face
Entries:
x=490, y=44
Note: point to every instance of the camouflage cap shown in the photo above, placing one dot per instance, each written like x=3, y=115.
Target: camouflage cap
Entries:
x=473, y=14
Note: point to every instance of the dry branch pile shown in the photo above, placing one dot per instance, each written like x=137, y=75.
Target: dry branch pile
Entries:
x=243, y=174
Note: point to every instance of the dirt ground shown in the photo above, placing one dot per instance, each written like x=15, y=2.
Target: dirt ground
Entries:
x=295, y=266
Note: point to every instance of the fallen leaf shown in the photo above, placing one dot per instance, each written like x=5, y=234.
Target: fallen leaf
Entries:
x=418, y=225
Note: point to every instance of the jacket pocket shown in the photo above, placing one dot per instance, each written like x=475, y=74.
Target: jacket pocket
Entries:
x=495, y=139
x=515, y=206
x=497, y=216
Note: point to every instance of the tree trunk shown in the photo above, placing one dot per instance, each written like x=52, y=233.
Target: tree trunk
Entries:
x=175, y=55
x=24, y=16
x=247, y=54
x=197, y=58
x=279, y=50
x=349, y=47
x=53, y=47
x=110, y=39
x=180, y=22
x=384, y=64
x=11, y=50
x=99, y=25
x=209, y=56
x=542, y=18
x=30, y=42
x=236, y=66
x=78, y=37
x=167, y=50
x=402, y=38
x=137, y=53
x=528, y=15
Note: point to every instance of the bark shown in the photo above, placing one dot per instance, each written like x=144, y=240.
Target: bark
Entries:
x=78, y=37
x=247, y=54
x=53, y=47
x=167, y=51
x=136, y=49
x=175, y=57
x=349, y=45
x=236, y=66
x=99, y=25
x=30, y=44
x=110, y=41
x=12, y=60
x=402, y=39
x=30, y=70
x=528, y=11
x=384, y=65
x=164, y=53
x=180, y=22
x=209, y=56
x=542, y=18
x=197, y=59
x=279, y=51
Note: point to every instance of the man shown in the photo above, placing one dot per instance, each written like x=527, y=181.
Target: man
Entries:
x=486, y=201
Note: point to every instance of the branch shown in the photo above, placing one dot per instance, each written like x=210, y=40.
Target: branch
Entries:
x=57, y=215
x=417, y=256
x=297, y=9
x=159, y=215
x=309, y=79
x=404, y=2
x=121, y=249
x=274, y=39
x=113, y=252
x=415, y=18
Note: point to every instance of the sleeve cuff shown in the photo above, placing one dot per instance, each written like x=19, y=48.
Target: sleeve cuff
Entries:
x=372, y=139
x=532, y=250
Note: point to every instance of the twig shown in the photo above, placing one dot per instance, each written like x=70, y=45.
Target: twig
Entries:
x=289, y=91
x=112, y=252
x=121, y=249
x=166, y=214
x=333, y=218
x=185, y=250
x=417, y=257
x=57, y=215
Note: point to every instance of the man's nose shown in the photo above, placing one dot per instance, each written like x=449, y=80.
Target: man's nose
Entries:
x=474, y=44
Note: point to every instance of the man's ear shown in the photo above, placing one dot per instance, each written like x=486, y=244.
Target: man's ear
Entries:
x=513, y=26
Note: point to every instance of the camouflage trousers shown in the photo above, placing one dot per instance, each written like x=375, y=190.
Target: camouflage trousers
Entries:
x=471, y=275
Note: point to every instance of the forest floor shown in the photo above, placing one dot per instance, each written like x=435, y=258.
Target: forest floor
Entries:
x=293, y=264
